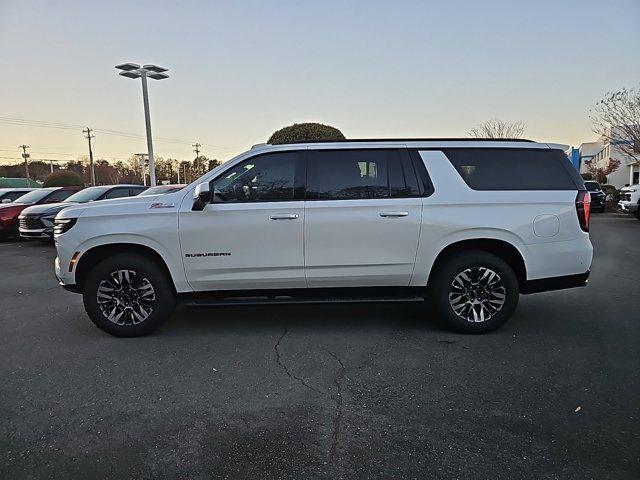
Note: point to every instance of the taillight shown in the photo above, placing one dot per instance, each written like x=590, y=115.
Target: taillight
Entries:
x=583, y=208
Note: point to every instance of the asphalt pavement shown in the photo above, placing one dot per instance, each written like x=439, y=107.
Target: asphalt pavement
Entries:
x=332, y=391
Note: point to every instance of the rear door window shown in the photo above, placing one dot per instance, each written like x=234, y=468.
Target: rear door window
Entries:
x=513, y=169
x=353, y=174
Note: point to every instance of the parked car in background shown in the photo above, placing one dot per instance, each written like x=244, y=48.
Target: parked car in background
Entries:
x=467, y=224
x=597, y=196
x=9, y=212
x=8, y=195
x=37, y=221
x=163, y=189
x=630, y=200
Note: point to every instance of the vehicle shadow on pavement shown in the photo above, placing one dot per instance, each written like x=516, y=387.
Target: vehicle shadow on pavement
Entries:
x=312, y=318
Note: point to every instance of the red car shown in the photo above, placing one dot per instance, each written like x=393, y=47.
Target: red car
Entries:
x=9, y=211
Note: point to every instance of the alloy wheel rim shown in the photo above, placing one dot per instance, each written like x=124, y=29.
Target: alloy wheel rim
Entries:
x=126, y=297
x=477, y=294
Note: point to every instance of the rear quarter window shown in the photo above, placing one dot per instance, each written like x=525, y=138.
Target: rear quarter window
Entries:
x=513, y=169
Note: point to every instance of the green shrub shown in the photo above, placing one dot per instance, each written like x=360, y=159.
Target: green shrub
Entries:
x=611, y=192
x=305, y=132
x=63, y=178
x=586, y=176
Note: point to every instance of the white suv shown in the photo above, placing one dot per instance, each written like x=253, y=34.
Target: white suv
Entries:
x=467, y=224
x=630, y=200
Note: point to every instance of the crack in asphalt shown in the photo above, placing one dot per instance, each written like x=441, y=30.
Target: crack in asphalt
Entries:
x=337, y=419
x=276, y=349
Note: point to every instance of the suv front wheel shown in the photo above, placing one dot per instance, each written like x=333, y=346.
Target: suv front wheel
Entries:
x=128, y=295
x=475, y=292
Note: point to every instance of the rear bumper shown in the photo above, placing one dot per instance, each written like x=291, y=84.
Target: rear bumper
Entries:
x=555, y=283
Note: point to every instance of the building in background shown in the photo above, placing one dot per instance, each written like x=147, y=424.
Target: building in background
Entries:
x=603, y=149
x=18, y=183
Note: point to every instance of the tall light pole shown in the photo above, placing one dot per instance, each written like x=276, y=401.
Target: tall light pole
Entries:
x=133, y=70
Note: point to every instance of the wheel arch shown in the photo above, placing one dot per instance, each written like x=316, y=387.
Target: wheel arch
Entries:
x=95, y=255
x=501, y=248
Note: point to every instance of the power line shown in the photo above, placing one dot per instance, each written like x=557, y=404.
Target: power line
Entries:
x=106, y=131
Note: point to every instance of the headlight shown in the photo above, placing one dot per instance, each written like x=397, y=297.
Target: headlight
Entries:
x=62, y=225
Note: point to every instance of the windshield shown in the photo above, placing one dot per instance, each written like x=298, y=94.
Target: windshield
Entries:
x=33, y=197
x=592, y=186
x=87, y=195
x=159, y=190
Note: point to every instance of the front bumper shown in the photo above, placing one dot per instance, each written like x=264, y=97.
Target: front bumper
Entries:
x=41, y=233
x=59, y=277
x=627, y=207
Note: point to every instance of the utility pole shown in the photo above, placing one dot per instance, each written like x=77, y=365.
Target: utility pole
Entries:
x=51, y=165
x=25, y=155
x=178, y=171
x=197, y=150
x=91, y=171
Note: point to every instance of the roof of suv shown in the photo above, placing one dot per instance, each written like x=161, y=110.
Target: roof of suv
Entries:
x=417, y=143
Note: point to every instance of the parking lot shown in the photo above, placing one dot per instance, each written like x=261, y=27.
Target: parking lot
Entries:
x=358, y=391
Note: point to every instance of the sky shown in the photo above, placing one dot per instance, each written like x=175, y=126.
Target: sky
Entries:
x=240, y=70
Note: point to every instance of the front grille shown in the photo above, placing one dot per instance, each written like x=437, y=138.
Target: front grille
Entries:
x=625, y=197
x=30, y=223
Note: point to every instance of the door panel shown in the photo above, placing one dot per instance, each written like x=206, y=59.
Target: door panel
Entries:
x=362, y=218
x=349, y=244
x=243, y=247
x=251, y=236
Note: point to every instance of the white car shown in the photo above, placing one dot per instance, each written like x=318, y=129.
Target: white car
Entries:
x=467, y=224
x=630, y=200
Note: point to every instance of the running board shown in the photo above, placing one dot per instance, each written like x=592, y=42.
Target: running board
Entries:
x=303, y=297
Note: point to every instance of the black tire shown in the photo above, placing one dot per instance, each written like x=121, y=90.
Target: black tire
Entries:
x=477, y=262
x=638, y=211
x=161, y=301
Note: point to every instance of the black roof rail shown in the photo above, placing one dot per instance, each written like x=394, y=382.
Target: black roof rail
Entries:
x=452, y=139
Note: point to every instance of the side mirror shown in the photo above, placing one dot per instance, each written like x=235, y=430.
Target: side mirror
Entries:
x=201, y=196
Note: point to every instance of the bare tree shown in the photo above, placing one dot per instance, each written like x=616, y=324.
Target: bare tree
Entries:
x=616, y=118
x=495, y=128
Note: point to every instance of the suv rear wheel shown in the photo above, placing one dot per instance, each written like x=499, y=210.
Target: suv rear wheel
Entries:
x=475, y=292
x=128, y=295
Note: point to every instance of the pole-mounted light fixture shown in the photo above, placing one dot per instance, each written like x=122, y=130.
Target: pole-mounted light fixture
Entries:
x=133, y=70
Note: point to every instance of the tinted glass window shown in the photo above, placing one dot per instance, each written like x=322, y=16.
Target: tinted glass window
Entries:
x=265, y=178
x=117, y=193
x=511, y=169
x=11, y=195
x=88, y=194
x=33, y=196
x=355, y=174
x=59, y=196
x=592, y=186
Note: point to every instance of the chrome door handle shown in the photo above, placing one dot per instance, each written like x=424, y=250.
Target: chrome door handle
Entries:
x=394, y=214
x=284, y=216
